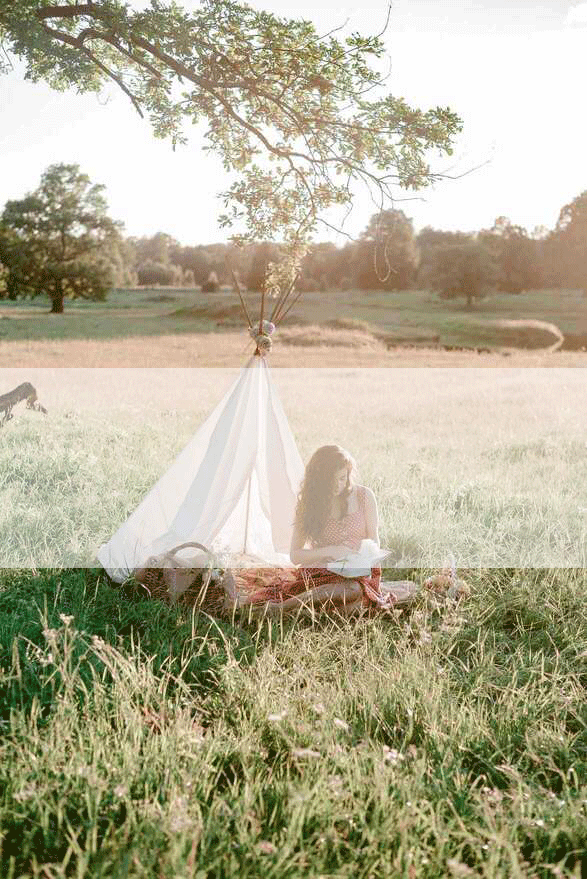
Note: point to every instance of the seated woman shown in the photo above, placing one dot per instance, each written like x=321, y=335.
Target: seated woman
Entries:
x=333, y=515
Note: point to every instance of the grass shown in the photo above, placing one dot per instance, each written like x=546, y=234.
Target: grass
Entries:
x=489, y=465
x=143, y=741
x=410, y=313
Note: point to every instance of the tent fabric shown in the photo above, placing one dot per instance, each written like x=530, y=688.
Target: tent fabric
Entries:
x=233, y=488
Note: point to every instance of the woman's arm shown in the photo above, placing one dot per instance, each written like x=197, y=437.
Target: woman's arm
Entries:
x=371, y=515
x=299, y=555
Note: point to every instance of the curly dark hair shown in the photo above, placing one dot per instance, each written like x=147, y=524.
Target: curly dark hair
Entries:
x=318, y=489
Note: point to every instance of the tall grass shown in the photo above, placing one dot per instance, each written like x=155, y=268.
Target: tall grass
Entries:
x=489, y=465
x=139, y=740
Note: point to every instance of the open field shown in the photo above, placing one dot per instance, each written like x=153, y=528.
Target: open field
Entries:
x=143, y=741
x=196, y=329
x=490, y=465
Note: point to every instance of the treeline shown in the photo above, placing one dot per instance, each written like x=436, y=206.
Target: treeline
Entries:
x=58, y=241
x=389, y=255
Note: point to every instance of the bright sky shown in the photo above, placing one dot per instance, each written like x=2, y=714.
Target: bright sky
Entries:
x=514, y=70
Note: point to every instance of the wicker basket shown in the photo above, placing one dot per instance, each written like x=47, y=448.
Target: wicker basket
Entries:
x=167, y=578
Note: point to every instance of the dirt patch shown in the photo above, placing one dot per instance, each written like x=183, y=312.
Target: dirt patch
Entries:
x=575, y=342
x=528, y=333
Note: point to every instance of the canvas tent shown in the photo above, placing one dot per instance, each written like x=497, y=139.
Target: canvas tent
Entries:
x=233, y=488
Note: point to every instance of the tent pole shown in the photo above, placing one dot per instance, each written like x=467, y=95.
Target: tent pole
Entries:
x=247, y=513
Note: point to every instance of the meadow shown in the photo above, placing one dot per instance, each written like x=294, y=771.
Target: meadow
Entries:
x=191, y=328
x=487, y=465
x=444, y=740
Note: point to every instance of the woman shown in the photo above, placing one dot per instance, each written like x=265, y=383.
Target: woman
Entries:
x=333, y=515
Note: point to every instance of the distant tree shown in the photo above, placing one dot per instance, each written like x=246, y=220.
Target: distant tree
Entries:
x=427, y=240
x=516, y=255
x=386, y=256
x=263, y=253
x=466, y=270
x=154, y=248
x=124, y=264
x=320, y=266
x=567, y=245
x=211, y=285
x=193, y=259
x=59, y=240
x=157, y=273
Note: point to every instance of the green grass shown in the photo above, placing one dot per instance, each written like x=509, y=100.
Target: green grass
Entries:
x=405, y=313
x=143, y=741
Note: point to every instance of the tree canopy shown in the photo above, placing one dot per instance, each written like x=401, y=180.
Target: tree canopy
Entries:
x=59, y=240
x=298, y=117
x=465, y=269
x=569, y=243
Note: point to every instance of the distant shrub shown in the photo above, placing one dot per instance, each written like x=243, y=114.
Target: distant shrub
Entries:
x=211, y=285
x=156, y=273
x=307, y=285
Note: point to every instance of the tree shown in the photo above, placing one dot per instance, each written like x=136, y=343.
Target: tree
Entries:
x=59, y=240
x=211, y=285
x=319, y=267
x=427, y=240
x=299, y=118
x=385, y=257
x=155, y=248
x=567, y=245
x=465, y=269
x=263, y=253
x=150, y=272
x=516, y=255
x=191, y=259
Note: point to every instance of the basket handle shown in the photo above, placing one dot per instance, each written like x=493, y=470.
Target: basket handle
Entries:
x=171, y=552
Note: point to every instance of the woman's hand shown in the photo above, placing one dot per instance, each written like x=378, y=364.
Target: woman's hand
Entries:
x=334, y=553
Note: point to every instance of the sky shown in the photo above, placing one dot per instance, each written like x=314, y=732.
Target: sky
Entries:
x=514, y=71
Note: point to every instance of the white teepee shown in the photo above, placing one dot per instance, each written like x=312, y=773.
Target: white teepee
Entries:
x=233, y=488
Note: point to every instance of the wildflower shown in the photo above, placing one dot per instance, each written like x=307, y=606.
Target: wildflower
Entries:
x=266, y=847
x=319, y=708
x=25, y=793
x=391, y=755
x=66, y=620
x=305, y=752
x=539, y=822
x=50, y=634
x=120, y=790
x=341, y=724
x=179, y=818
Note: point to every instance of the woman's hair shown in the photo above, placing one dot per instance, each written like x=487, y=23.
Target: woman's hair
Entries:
x=318, y=489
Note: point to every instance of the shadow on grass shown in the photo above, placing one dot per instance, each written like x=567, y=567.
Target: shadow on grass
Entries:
x=102, y=611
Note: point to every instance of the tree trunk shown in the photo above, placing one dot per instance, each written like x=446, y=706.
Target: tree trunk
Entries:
x=57, y=298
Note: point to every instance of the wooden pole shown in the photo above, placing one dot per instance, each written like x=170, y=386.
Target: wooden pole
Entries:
x=238, y=290
x=281, y=299
x=247, y=513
